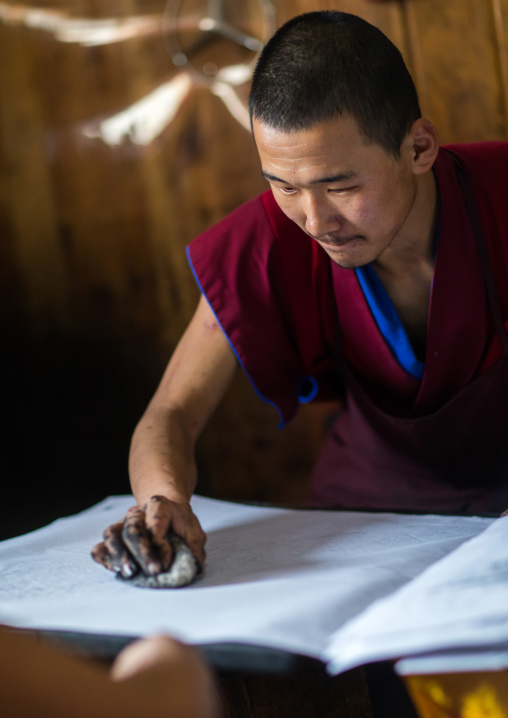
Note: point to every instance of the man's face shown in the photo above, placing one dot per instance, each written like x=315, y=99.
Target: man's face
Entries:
x=348, y=194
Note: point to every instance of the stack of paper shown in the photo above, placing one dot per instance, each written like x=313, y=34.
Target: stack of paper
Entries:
x=344, y=587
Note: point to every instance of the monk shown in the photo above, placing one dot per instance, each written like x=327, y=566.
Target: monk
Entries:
x=373, y=271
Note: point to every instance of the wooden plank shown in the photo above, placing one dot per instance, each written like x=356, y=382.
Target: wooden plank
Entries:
x=28, y=185
x=457, y=67
x=500, y=13
x=301, y=695
x=12, y=307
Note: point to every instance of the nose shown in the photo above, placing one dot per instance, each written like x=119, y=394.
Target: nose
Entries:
x=320, y=217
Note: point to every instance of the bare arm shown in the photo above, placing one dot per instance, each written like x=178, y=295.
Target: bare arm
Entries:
x=154, y=678
x=161, y=463
x=162, y=450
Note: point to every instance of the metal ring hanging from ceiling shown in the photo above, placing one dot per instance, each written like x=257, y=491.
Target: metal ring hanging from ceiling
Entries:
x=215, y=24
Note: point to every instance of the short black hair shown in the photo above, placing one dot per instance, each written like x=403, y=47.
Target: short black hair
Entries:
x=322, y=65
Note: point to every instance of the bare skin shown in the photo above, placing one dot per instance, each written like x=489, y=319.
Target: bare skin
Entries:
x=361, y=205
x=161, y=462
x=155, y=677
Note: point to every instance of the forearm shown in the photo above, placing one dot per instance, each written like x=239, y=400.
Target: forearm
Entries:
x=161, y=459
x=37, y=680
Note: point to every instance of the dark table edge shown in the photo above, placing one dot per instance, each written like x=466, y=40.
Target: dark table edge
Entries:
x=224, y=657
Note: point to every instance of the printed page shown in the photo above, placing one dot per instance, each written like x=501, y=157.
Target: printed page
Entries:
x=467, y=660
x=274, y=577
x=460, y=602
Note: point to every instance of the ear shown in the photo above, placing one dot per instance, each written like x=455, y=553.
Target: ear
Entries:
x=423, y=142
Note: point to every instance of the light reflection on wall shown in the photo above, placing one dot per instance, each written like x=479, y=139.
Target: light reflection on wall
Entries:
x=82, y=31
x=145, y=120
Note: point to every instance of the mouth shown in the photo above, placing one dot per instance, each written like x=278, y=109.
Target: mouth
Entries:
x=337, y=242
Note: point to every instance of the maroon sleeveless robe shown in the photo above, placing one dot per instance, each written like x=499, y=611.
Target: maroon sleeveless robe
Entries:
x=434, y=445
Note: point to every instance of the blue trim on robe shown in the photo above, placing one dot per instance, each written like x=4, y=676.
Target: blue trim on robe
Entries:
x=307, y=389
x=282, y=421
x=388, y=320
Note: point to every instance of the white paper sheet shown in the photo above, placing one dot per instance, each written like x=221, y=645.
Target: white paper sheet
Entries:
x=464, y=661
x=274, y=577
x=459, y=602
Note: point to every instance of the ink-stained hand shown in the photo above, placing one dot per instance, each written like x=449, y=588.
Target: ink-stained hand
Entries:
x=140, y=542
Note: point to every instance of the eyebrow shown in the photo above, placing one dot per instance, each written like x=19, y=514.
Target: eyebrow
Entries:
x=341, y=177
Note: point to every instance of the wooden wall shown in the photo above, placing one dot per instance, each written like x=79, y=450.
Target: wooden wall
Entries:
x=95, y=215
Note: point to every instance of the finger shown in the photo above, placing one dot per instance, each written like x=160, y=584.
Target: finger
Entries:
x=101, y=555
x=113, y=554
x=139, y=541
x=158, y=522
x=186, y=525
x=199, y=554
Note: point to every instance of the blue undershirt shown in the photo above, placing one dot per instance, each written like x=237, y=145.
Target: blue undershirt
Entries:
x=388, y=320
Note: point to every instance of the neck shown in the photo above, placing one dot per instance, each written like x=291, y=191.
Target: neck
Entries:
x=406, y=268
x=413, y=246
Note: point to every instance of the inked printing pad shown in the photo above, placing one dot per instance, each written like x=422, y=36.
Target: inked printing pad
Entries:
x=182, y=572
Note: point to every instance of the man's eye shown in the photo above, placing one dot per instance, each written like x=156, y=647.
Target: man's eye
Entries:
x=287, y=190
x=341, y=190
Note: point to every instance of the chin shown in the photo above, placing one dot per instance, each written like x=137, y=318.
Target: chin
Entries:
x=346, y=264
x=351, y=255
x=349, y=262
